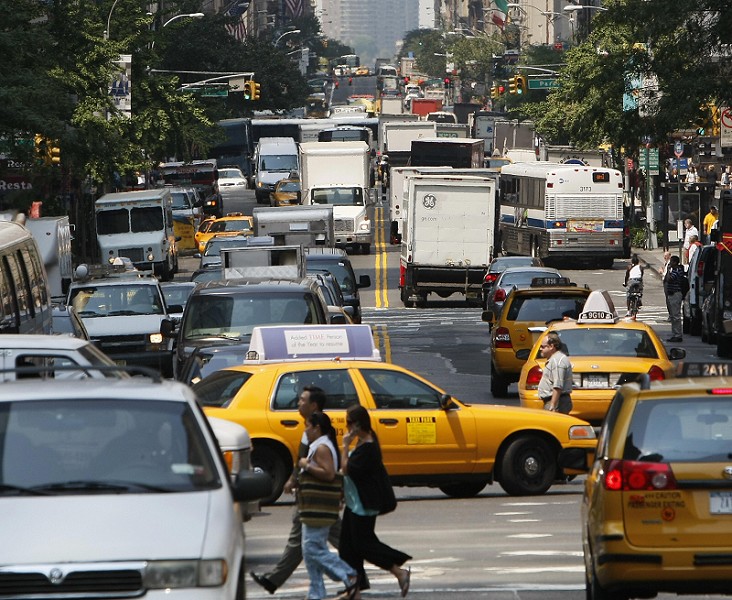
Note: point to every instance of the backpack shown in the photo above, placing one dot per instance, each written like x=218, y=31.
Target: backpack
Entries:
x=684, y=285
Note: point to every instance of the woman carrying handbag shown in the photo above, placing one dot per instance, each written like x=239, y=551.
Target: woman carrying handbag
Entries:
x=368, y=494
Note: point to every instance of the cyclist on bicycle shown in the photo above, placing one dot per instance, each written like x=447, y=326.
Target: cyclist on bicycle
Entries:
x=634, y=283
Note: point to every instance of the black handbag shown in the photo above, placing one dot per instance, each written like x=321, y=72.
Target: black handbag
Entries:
x=386, y=493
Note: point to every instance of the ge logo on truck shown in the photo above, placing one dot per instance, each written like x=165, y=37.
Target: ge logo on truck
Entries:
x=429, y=201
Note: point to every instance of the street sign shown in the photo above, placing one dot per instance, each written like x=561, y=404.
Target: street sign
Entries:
x=653, y=166
x=208, y=91
x=725, y=127
x=543, y=84
x=678, y=148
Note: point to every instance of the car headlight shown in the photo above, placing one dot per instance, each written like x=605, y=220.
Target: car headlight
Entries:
x=365, y=226
x=582, y=432
x=150, y=257
x=260, y=184
x=161, y=574
x=156, y=338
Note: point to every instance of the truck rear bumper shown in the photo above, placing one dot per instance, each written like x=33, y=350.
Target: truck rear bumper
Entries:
x=353, y=238
x=445, y=279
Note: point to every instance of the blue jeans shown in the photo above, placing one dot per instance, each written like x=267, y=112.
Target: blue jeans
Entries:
x=319, y=560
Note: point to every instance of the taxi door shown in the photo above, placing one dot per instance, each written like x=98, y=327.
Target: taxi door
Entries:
x=416, y=435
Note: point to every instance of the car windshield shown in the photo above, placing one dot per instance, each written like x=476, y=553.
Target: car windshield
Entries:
x=683, y=430
x=608, y=341
x=177, y=293
x=214, y=246
x=339, y=196
x=115, y=300
x=230, y=174
x=276, y=162
x=290, y=186
x=102, y=446
x=235, y=315
x=340, y=270
x=230, y=225
x=546, y=307
x=180, y=200
x=501, y=264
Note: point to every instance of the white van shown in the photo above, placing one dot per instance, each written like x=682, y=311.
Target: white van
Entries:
x=275, y=158
x=138, y=225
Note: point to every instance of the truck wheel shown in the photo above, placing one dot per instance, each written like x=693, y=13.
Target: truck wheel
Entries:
x=266, y=458
x=528, y=467
x=468, y=489
x=404, y=294
x=165, y=272
x=499, y=385
x=422, y=302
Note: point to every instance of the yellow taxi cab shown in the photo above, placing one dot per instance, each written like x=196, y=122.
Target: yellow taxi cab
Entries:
x=524, y=316
x=202, y=228
x=361, y=72
x=428, y=438
x=657, y=502
x=605, y=353
x=232, y=224
x=286, y=193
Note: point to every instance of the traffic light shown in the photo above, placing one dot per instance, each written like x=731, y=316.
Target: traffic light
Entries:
x=256, y=89
x=54, y=153
x=494, y=91
x=520, y=84
x=41, y=146
x=501, y=90
x=248, y=90
x=448, y=82
x=513, y=85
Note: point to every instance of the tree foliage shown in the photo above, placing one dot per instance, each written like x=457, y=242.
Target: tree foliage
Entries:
x=679, y=55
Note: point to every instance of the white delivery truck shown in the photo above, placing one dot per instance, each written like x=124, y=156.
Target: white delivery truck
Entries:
x=303, y=225
x=138, y=225
x=53, y=236
x=448, y=237
x=337, y=174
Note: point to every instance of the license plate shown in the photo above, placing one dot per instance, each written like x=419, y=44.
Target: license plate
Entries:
x=595, y=380
x=120, y=363
x=720, y=503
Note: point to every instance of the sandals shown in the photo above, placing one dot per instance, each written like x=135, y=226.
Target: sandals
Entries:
x=404, y=583
x=351, y=591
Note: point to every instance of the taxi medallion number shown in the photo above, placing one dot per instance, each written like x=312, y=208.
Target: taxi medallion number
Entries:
x=720, y=503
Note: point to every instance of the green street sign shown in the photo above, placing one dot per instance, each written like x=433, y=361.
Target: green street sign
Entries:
x=208, y=91
x=543, y=84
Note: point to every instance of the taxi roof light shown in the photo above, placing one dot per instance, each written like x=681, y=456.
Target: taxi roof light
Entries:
x=599, y=308
x=551, y=282
x=710, y=368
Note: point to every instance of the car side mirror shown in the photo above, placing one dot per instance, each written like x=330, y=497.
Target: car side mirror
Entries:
x=349, y=310
x=175, y=308
x=487, y=316
x=364, y=281
x=676, y=353
x=338, y=319
x=167, y=328
x=446, y=402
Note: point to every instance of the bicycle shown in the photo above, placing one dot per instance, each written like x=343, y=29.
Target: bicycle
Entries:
x=635, y=294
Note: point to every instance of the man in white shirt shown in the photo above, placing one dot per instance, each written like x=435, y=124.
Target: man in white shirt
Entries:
x=690, y=230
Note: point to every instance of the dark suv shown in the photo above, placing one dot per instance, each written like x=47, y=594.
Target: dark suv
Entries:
x=225, y=312
x=336, y=262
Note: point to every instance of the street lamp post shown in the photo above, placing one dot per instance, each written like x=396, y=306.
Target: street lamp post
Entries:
x=176, y=17
x=277, y=41
x=109, y=19
x=583, y=25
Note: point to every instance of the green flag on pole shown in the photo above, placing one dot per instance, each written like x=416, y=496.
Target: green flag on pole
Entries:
x=498, y=15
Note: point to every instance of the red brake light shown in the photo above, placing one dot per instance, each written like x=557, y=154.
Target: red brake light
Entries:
x=402, y=274
x=700, y=268
x=503, y=338
x=533, y=378
x=630, y=475
x=721, y=391
x=500, y=295
x=656, y=373
x=490, y=277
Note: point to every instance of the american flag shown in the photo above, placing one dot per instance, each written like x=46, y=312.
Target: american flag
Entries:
x=237, y=29
x=294, y=7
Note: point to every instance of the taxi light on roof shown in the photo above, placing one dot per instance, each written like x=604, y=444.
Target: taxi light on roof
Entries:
x=598, y=308
x=704, y=369
x=550, y=281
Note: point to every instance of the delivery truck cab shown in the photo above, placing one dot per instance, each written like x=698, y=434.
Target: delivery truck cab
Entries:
x=275, y=158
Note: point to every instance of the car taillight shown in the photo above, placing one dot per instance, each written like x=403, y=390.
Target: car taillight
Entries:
x=503, y=338
x=631, y=475
x=490, y=278
x=500, y=295
x=533, y=378
x=656, y=373
x=402, y=274
x=700, y=268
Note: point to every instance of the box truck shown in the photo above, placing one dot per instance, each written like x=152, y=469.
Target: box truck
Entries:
x=448, y=237
x=338, y=174
x=53, y=236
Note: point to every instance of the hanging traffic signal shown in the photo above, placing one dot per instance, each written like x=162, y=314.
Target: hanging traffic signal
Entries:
x=448, y=82
x=494, y=91
x=501, y=90
x=248, y=90
x=513, y=85
x=54, y=153
x=520, y=84
x=256, y=90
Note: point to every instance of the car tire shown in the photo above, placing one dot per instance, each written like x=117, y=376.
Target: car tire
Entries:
x=594, y=591
x=266, y=458
x=528, y=466
x=499, y=385
x=467, y=489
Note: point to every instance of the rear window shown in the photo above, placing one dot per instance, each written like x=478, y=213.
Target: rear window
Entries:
x=683, y=430
x=524, y=277
x=608, y=341
x=546, y=307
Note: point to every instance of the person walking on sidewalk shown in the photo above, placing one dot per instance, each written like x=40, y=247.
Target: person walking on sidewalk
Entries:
x=709, y=220
x=311, y=400
x=673, y=287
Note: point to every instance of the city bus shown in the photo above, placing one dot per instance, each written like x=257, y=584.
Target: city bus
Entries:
x=561, y=211
x=352, y=60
